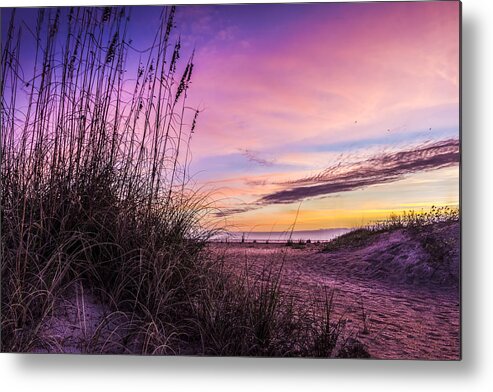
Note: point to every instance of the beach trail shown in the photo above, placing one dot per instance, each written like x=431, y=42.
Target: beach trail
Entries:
x=402, y=306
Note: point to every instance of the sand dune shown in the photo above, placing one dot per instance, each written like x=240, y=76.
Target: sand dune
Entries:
x=403, y=303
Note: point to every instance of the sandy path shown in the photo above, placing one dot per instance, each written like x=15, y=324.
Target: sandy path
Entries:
x=403, y=320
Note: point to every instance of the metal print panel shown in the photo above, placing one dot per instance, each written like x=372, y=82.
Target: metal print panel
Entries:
x=275, y=180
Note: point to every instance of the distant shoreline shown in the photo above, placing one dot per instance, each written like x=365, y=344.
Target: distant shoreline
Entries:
x=280, y=236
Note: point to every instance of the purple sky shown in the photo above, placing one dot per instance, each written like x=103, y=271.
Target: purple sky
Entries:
x=351, y=109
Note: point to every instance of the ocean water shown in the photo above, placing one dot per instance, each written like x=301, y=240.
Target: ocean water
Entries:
x=277, y=236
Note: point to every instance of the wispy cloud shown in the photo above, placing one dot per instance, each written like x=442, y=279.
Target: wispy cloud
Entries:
x=254, y=157
x=379, y=169
x=238, y=210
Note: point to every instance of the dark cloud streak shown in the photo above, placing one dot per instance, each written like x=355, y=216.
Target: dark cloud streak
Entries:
x=231, y=211
x=383, y=168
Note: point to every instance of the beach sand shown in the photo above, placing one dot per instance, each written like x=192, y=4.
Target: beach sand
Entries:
x=401, y=305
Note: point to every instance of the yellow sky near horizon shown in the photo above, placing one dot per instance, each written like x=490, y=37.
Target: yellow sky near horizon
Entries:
x=418, y=192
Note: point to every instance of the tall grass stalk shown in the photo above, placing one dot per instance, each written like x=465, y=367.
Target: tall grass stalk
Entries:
x=90, y=155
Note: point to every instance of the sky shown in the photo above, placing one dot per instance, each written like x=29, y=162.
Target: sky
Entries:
x=338, y=114
x=325, y=115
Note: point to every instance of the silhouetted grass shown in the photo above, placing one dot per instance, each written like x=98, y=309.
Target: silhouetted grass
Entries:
x=94, y=183
x=417, y=219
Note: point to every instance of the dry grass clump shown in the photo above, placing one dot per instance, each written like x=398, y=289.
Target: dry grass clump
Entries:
x=416, y=220
x=251, y=316
x=95, y=194
x=417, y=223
